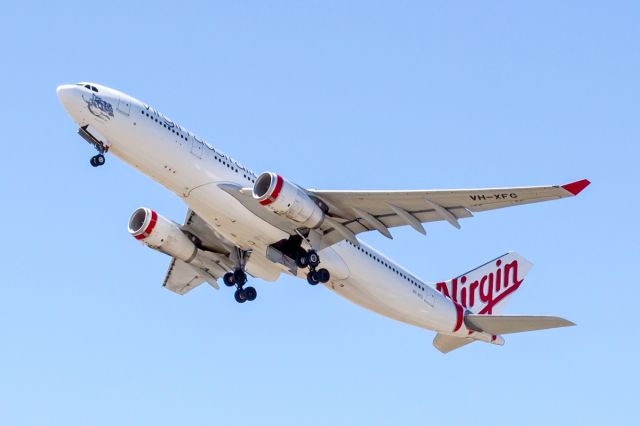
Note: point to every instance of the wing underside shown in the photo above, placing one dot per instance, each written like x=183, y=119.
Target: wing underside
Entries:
x=182, y=277
x=353, y=212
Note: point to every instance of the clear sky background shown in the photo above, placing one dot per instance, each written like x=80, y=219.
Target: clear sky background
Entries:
x=362, y=95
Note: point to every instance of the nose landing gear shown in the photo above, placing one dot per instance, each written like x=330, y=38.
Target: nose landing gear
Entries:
x=101, y=147
x=97, y=160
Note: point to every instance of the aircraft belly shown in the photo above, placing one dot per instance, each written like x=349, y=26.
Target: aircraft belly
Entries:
x=225, y=214
x=171, y=163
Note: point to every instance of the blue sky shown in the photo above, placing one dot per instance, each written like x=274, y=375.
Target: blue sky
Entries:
x=364, y=95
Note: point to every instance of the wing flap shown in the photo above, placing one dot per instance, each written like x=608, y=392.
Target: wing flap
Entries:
x=182, y=278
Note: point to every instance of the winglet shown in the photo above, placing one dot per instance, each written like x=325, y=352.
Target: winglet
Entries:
x=576, y=187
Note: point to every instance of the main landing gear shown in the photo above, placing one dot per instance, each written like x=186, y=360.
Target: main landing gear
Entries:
x=238, y=278
x=311, y=260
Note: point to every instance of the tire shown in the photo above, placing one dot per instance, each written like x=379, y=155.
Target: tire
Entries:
x=240, y=296
x=93, y=162
x=313, y=277
x=324, y=275
x=301, y=260
x=240, y=277
x=228, y=279
x=99, y=159
x=251, y=293
x=313, y=259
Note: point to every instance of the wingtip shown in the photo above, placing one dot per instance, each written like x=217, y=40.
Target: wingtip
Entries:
x=576, y=187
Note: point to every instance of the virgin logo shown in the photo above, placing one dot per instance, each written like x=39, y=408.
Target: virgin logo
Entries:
x=485, y=292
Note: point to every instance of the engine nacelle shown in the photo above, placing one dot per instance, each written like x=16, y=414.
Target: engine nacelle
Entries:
x=286, y=199
x=163, y=235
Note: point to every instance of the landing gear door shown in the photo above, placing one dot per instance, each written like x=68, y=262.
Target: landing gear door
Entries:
x=124, y=106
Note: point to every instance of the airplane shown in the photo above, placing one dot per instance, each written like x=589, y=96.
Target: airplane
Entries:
x=239, y=223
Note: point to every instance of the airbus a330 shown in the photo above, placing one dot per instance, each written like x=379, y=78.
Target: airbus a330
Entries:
x=241, y=224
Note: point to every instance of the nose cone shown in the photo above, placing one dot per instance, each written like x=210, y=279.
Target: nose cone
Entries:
x=70, y=96
x=66, y=94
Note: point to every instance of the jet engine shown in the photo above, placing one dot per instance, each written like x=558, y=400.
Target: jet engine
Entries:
x=165, y=236
x=286, y=199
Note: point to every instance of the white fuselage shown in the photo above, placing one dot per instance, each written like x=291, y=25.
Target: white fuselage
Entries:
x=192, y=169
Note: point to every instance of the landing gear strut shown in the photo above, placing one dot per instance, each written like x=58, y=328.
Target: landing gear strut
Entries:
x=101, y=147
x=238, y=278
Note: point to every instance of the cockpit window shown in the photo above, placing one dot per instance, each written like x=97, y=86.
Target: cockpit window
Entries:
x=88, y=86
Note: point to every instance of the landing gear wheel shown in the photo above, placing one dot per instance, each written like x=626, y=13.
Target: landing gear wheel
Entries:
x=228, y=279
x=240, y=277
x=313, y=277
x=324, y=275
x=313, y=259
x=240, y=296
x=301, y=260
x=97, y=160
x=250, y=293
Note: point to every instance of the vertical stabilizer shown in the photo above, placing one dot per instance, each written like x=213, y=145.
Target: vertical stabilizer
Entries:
x=486, y=289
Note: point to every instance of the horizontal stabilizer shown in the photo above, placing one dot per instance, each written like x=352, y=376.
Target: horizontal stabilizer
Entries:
x=446, y=344
x=505, y=324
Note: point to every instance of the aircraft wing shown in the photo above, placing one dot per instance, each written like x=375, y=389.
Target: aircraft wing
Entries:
x=182, y=277
x=352, y=212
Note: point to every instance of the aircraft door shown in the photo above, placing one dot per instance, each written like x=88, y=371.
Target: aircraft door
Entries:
x=196, y=147
x=431, y=297
x=124, y=106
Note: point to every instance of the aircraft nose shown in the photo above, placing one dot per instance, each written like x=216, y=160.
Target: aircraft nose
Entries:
x=65, y=93
x=70, y=96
